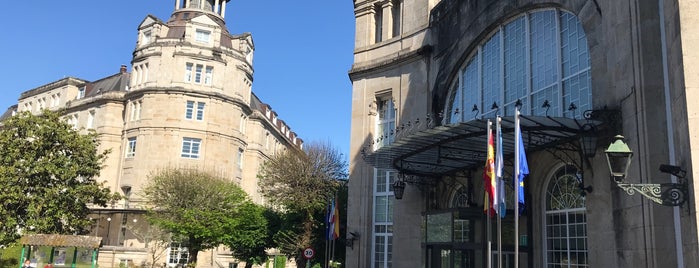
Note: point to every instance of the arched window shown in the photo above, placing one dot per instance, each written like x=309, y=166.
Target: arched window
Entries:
x=566, y=223
x=538, y=57
x=460, y=198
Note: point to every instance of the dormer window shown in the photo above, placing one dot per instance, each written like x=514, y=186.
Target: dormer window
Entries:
x=81, y=92
x=203, y=36
x=146, y=37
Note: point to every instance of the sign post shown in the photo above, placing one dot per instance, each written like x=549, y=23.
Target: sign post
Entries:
x=308, y=254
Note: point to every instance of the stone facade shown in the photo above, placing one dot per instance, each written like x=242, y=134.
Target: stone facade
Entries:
x=641, y=56
x=190, y=87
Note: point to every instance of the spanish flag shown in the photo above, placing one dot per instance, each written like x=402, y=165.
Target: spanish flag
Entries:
x=489, y=175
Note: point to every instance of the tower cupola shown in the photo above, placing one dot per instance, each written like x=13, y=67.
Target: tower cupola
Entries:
x=216, y=7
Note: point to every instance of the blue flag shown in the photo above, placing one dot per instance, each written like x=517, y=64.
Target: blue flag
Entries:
x=523, y=170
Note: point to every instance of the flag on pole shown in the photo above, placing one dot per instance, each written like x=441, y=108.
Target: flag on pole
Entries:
x=499, y=196
x=336, y=220
x=523, y=168
x=333, y=230
x=489, y=175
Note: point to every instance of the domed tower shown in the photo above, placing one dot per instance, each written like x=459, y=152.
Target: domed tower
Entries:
x=189, y=98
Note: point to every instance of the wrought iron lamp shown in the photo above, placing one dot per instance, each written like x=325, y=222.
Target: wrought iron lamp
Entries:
x=667, y=194
x=398, y=189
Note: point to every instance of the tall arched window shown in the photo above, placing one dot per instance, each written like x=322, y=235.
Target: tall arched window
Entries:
x=538, y=57
x=566, y=223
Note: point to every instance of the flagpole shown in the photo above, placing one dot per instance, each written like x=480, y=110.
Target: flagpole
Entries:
x=487, y=206
x=516, y=191
x=327, y=235
x=498, y=181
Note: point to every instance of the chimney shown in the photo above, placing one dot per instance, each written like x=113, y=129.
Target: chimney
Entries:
x=122, y=69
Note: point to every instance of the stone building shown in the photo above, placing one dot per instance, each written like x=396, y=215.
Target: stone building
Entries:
x=187, y=102
x=428, y=74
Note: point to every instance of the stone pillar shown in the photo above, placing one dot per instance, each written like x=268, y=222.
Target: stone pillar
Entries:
x=217, y=8
x=387, y=28
x=186, y=3
x=223, y=9
x=177, y=4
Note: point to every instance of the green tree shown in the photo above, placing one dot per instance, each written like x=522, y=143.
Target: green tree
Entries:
x=300, y=184
x=201, y=210
x=47, y=173
x=250, y=235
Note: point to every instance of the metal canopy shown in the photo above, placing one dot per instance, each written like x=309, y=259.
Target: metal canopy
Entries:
x=446, y=149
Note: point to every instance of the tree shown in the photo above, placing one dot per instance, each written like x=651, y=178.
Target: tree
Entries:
x=250, y=235
x=47, y=173
x=300, y=184
x=200, y=210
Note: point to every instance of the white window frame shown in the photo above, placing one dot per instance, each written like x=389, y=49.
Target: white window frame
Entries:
x=190, y=144
x=202, y=36
x=189, y=110
x=81, y=92
x=387, y=136
x=189, y=67
x=177, y=254
x=566, y=213
x=198, y=69
x=194, y=110
x=209, y=75
x=386, y=226
x=131, y=147
x=200, y=111
x=147, y=35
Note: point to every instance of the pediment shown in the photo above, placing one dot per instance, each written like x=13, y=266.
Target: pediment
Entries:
x=204, y=19
x=148, y=21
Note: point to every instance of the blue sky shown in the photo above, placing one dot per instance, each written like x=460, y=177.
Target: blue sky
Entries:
x=303, y=50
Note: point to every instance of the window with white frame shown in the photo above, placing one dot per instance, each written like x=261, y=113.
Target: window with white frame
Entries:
x=382, y=240
x=195, y=110
x=147, y=37
x=188, y=72
x=91, y=119
x=197, y=73
x=177, y=254
x=385, y=129
x=566, y=222
x=209, y=75
x=190, y=147
x=81, y=92
x=539, y=57
x=135, y=110
x=203, y=36
x=131, y=147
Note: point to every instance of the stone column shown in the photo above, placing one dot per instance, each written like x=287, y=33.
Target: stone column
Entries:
x=387, y=27
x=217, y=8
x=177, y=4
x=223, y=9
